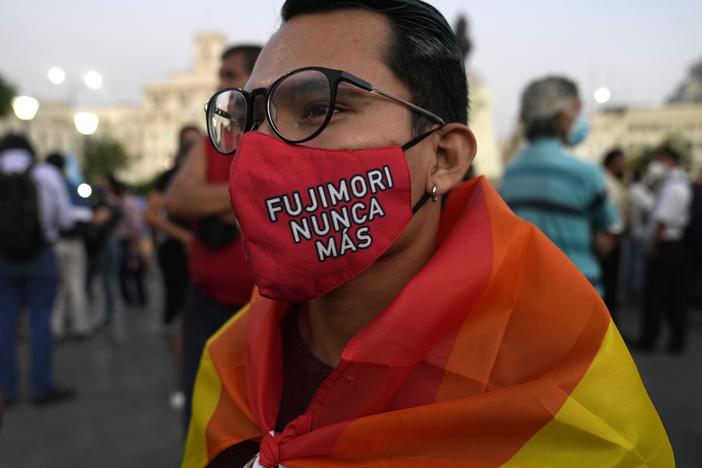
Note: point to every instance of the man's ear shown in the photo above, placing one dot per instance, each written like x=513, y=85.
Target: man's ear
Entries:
x=455, y=151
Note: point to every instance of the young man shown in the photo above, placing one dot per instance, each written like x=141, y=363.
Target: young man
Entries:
x=403, y=319
x=221, y=278
x=668, y=258
x=34, y=208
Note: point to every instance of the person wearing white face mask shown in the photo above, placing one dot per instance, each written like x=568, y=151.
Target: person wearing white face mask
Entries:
x=667, y=266
x=563, y=196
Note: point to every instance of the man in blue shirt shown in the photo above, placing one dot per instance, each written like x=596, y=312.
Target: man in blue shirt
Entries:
x=563, y=196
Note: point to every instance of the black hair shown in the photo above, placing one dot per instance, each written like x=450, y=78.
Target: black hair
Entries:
x=16, y=141
x=57, y=160
x=539, y=120
x=117, y=186
x=637, y=174
x=611, y=156
x=669, y=152
x=249, y=51
x=185, y=129
x=422, y=53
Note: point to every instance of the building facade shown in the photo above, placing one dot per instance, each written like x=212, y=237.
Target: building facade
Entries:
x=148, y=131
x=639, y=127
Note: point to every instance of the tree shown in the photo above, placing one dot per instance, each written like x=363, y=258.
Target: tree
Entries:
x=462, y=32
x=7, y=92
x=103, y=156
x=641, y=156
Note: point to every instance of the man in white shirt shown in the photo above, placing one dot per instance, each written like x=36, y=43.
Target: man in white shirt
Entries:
x=31, y=282
x=667, y=269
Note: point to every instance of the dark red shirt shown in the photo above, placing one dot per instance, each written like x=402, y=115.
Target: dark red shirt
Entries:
x=223, y=274
x=303, y=373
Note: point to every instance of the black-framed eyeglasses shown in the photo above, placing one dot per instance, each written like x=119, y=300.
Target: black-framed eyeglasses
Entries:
x=298, y=106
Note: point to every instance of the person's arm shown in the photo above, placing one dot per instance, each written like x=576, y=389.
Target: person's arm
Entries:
x=604, y=217
x=62, y=208
x=665, y=214
x=153, y=216
x=190, y=196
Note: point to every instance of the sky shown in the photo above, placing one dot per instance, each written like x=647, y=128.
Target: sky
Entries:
x=640, y=49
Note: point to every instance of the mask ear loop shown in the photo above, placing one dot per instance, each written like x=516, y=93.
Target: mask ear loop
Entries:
x=425, y=198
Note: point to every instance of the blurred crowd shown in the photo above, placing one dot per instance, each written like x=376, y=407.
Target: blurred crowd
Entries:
x=632, y=227
x=74, y=261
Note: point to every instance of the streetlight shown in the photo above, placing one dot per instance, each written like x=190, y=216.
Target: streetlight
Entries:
x=25, y=107
x=57, y=75
x=93, y=80
x=85, y=190
x=86, y=122
x=602, y=95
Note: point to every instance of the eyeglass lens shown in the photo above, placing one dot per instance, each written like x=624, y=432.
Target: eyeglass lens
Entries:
x=298, y=106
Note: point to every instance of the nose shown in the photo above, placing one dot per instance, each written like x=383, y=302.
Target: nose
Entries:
x=261, y=123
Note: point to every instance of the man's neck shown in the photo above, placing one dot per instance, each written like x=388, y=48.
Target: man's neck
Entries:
x=329, y=322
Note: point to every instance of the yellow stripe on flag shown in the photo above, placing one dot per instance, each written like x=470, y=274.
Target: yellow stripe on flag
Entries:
x=608, y=420
x=205, y=400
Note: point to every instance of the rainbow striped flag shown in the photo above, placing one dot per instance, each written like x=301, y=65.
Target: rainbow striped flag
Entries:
x=498, y=352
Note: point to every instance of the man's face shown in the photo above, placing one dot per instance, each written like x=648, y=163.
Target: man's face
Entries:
x=618, y=167
x=233, y=72
x=353, y=41
x=666, y=160
x=567, y=118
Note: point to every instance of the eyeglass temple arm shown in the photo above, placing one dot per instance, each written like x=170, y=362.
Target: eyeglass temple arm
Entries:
x=414, y=107
x=219, y=112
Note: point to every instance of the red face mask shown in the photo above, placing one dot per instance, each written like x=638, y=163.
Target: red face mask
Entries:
x=312, y=219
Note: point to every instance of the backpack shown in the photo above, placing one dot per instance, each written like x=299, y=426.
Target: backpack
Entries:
x=21, y=233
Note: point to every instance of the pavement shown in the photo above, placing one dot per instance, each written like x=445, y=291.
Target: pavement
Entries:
x=124, y=376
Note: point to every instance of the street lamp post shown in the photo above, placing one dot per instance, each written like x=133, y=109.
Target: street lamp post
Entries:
x=86, y=123
x=25, y=109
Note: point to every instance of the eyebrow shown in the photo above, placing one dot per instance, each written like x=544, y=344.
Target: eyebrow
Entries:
x=311, y=86
x=352, y=92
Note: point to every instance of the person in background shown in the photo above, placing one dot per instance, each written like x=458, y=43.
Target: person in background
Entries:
x=130, y=232
x=640, y=204
x=173, y=239
x=101, y=243
x=70, y=249
x=34, y=208
x=668, y=263
x=614, y=164
x=221, y=278
x=544, y=184
x=693, y=240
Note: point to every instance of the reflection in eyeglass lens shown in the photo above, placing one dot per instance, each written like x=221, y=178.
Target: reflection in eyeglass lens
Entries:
x=228, y=120
x=299, y=105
